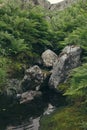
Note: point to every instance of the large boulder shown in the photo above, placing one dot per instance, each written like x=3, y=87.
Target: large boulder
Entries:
x=49, y=58
x=68, y=59
x=33, y=78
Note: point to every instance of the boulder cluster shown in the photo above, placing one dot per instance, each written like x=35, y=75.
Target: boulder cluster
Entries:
x=58, y=67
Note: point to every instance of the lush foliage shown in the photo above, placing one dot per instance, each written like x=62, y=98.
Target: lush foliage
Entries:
x=23, y=30
x=68, y=118
x=24, y=35
x=70, y=25
x=78, y=81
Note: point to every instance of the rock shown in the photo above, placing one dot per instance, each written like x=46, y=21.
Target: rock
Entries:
x=29, y=96
x=13, y=87
x=68, y=59
x=49, y=58
x=62, y=4
x=49, y=110
x=43, y=3
x=47, y=5
x=32, y=79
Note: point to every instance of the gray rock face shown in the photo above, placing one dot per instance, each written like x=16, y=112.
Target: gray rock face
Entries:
x=68, y=59
x=33, y=78
x=47, y=5
x=49, y=58
x=62, y=4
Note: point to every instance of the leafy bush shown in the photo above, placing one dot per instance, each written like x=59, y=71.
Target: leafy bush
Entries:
x=23, y=30
x=77, y=85
x=70, y=26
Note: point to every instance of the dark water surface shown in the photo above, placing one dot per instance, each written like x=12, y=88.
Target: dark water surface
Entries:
x=27, y=116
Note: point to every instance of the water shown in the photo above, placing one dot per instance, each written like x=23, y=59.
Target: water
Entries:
x=27, y=116
x=22, y=116
x=32, y=124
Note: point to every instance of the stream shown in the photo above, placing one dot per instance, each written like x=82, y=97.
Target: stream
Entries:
x=27, y=116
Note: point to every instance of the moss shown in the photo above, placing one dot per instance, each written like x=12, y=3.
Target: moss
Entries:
x=68, y=118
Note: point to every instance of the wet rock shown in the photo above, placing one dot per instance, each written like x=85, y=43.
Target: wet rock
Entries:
x=49, y=58
x=28, y=96
x=68, y=59
x=49, y=110
x=32, y=79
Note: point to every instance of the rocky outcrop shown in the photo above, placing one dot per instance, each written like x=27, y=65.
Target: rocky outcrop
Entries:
x=62, y=4
x=32, y=79
x=35, y=79
x=68, y=59
x=47, y=5
x=43, y=3
x=49, y=58
x=27, y=89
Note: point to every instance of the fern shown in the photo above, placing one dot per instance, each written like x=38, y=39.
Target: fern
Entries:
x=78, y=82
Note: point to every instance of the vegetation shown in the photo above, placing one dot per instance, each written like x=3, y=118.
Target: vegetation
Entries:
x=25, y=33
x=22, y=33
x=78, y=81
x=75, y=89
x=70, y=26
x=3, y=72
x=68, y=118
